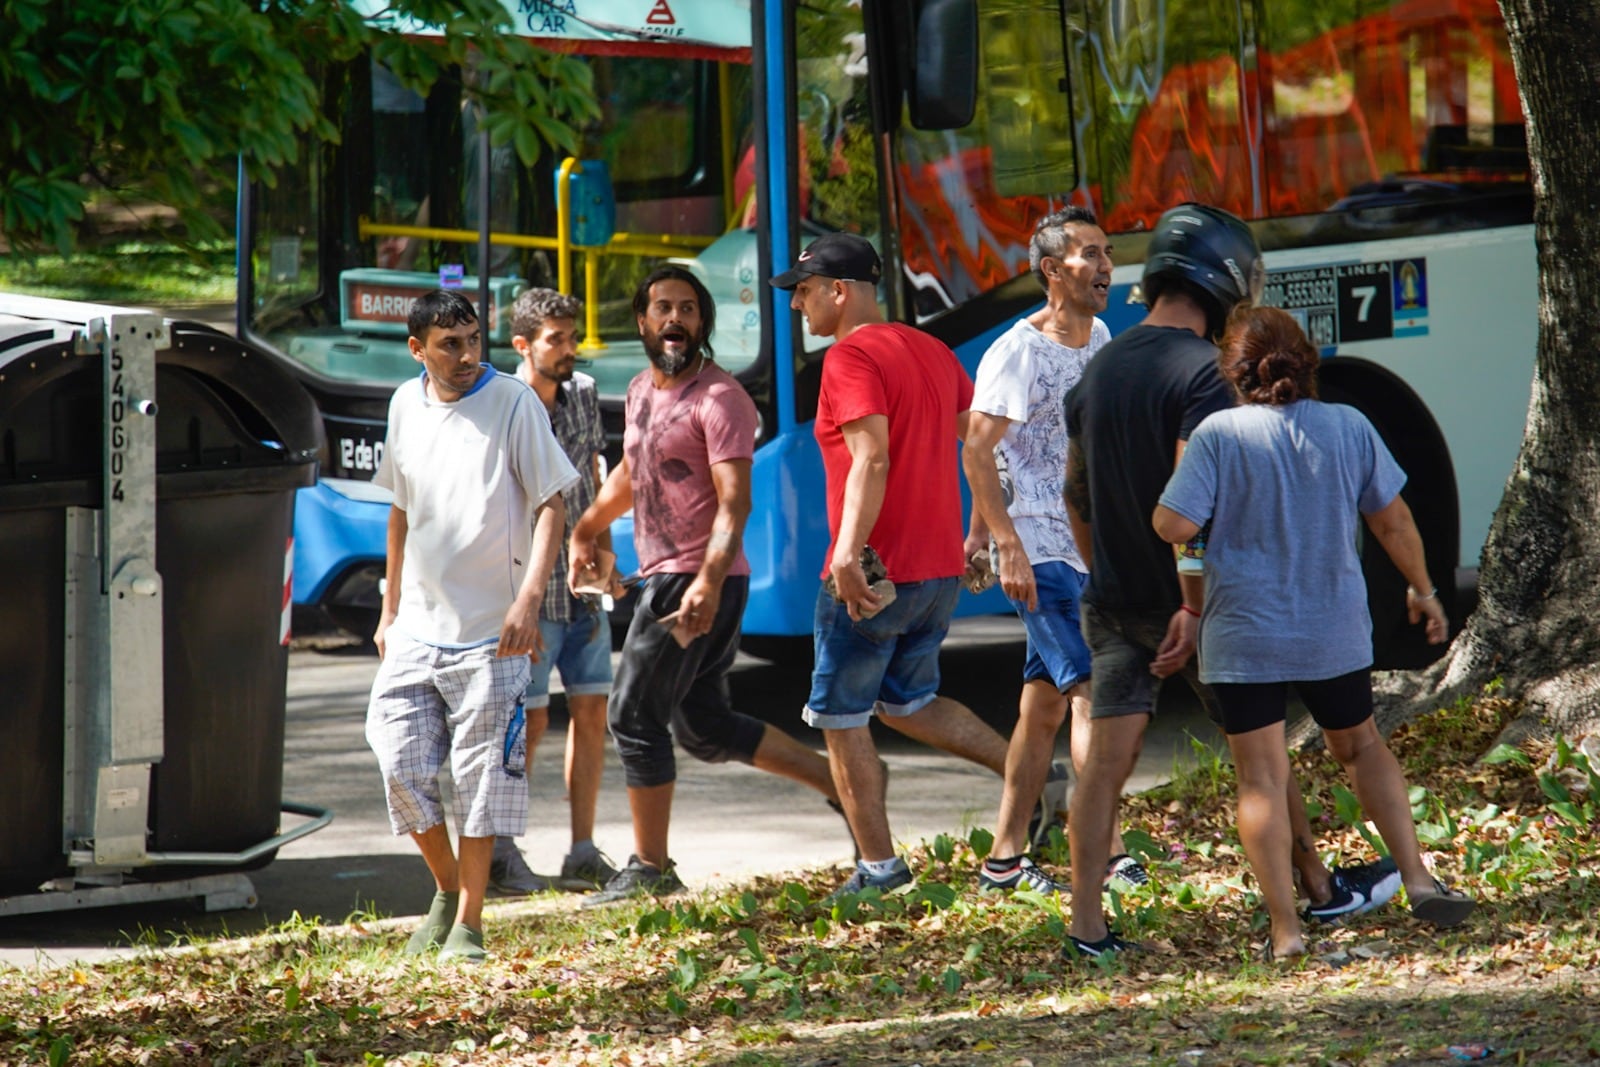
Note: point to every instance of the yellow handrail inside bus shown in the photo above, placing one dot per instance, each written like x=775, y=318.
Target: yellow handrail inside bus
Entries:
x=663, y=245
x=569, y=167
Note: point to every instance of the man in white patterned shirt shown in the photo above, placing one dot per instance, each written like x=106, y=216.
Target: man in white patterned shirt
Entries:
x=576, y=630
x=1015, y=461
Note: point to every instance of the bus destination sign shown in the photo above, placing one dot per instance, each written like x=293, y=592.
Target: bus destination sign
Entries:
x=1349, y=302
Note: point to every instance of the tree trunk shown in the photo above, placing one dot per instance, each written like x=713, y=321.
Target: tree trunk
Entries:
x=1537, y=625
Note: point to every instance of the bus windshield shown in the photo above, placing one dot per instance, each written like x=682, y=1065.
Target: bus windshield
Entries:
x=340, y=246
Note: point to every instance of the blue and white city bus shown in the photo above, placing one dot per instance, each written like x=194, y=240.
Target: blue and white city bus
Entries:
x=1376, y=146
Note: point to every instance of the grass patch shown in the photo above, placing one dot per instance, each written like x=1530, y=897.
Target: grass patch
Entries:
x=934, y=973
x=133, y=272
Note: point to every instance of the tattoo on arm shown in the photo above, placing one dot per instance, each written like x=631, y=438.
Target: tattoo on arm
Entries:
x=1076, y=489
x=1304, y=844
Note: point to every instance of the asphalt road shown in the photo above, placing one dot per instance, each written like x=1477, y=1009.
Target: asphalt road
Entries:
x=729, y=821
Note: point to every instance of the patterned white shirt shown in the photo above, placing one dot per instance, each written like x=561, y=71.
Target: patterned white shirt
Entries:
x=1025, y=377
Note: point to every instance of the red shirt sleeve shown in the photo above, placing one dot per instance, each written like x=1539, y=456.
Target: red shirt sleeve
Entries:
x=853, y=384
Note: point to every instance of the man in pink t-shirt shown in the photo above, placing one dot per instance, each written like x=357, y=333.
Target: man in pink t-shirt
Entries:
x=685, y=471
x=893, y=404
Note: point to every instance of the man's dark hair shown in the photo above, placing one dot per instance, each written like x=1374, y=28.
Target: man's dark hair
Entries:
x=536, y=305
x=442, y=307
x=708, y=308
x=1155, y=286
x=1050, y=236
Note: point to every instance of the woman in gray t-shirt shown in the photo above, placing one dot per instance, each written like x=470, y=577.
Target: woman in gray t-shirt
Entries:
x=1283, y=481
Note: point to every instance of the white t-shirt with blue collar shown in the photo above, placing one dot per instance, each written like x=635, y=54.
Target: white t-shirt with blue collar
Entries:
x=469, y=476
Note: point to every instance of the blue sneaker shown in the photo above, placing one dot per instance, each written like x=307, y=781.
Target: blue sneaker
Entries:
x=861, y=879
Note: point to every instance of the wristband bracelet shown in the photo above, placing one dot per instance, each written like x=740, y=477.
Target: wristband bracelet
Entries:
x=1187, y=608
x=1432, y=592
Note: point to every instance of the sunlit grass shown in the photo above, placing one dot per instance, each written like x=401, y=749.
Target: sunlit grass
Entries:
x=138, y=273
x=936, y=973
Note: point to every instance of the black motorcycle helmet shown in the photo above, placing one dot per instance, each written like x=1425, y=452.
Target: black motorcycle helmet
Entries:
x=1209, y=251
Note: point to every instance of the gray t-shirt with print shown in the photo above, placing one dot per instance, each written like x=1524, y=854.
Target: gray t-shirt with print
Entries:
x=1284, y=489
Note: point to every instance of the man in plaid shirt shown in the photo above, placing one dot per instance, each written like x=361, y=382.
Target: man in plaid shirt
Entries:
x=575, y=630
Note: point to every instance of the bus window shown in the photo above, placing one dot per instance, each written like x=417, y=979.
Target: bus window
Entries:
x=1170, y=119
x=838, y=176
x=394, y=210
x=838, y=171
x=1404, y=91
x=283, y=258
x=968, y=197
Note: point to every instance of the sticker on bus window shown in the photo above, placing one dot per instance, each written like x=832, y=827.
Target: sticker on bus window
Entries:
x=451, y=275
x=1350, y=302
x=1410, y=297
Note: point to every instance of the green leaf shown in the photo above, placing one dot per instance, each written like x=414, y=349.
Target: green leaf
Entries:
x=981, y=842
x=1346, y=806
x=60, y=1051
x=950, y=980
x=1142, y=846
x=686, y=974
x=1555, y=788
x=1503, y=753
x=752, y=944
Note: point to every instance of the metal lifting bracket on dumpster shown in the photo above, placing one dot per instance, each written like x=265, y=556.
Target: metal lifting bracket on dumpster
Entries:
x=114, y=696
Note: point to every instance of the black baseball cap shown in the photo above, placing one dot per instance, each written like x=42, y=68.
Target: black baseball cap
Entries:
x=834, y=255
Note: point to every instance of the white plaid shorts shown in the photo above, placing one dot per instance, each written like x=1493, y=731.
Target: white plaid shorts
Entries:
x=431, y=703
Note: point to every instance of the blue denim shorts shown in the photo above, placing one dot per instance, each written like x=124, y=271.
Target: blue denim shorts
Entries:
x=1056, y=648
x=885, y=665
x=581, y=650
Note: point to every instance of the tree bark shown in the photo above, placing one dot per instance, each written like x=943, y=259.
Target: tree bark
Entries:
x=1537, y=625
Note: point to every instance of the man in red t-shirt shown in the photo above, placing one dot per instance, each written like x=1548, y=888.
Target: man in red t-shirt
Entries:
x=893, y=404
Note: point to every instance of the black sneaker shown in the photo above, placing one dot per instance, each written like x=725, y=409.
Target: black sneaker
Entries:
x=637, y=879
x=587, y=874
x=509, y=873
x=1355, y=890
x=1025, y=874
x=1051, y=809
x=1124, y=873
x=1110, y=945
x=860, y=879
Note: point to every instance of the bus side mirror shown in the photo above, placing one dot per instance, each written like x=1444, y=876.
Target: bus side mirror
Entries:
x=943, y=80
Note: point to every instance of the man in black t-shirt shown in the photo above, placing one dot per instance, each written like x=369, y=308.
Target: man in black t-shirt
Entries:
x=1128, y=420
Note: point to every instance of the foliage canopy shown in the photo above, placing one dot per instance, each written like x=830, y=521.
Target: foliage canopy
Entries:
x=160, y=100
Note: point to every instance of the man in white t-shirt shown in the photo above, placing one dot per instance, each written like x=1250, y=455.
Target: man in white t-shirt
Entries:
x=474, y=531
x=1015, y=463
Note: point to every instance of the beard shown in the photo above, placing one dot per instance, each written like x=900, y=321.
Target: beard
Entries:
x=560, y=373
x=670, y=351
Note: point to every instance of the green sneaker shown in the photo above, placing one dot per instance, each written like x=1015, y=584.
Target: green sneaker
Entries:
x=464, y=945
x=435, y=925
